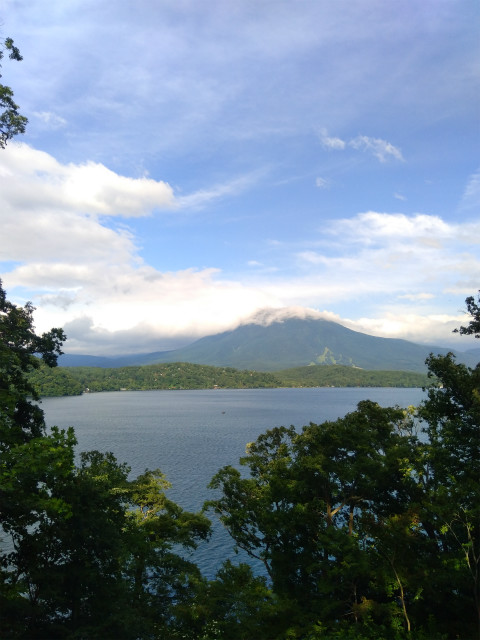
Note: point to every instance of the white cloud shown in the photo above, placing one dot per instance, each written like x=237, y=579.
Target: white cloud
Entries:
x=53, y=212
x=373, y=226
x=141, y=306
x=74, y=266
x=32, y=179
x=381, y=149
x=50, y=120
x=414, y=297
x=417, y=264
x=331, y=142
x=471, y=195
x=431, y=329
x=322, y=183
x=233, y=187
x=266, y=317
x=403, y=265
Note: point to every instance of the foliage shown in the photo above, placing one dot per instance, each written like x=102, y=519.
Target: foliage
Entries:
x=177, y=375
x=19, y=418
x=88, y=552
x=473, y=309
x=184, y=375
x=49, y=382
x=11, y=122
x=452, y=477
x=341, y=376
x=309, y=507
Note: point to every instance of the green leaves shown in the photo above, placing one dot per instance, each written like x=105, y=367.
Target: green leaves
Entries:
x=12, y=122
x=473, y=309
x=309, y=503
x=92, y=553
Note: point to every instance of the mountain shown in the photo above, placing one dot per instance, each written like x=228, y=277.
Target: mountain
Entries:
x=285, y=343
x=474, y=352
x=74, y=360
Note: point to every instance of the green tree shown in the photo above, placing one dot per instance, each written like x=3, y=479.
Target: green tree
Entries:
x=91, y=553
x=160, y=580
x=12, y=122
x=452, y=480
x=20, y=419
x=236, y=605
x=31, y=460
x=473, y=309
x=309, y=507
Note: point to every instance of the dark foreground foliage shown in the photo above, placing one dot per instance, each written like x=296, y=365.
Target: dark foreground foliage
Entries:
x=368, y=526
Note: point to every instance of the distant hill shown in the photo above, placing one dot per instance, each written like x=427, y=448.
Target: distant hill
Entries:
x=474, y=353
x=292, y=342
x=68, y=381
x=337, y=375
x=61, y=381
x=139, y=359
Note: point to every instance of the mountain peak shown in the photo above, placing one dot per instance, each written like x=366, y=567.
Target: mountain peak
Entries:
x=270, y=315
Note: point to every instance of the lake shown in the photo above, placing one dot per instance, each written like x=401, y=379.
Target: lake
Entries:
x=190, y=435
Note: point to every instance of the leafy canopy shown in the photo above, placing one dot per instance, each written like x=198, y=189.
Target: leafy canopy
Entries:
x=12, y=122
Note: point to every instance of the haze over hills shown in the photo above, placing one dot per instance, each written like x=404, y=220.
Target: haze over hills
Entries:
x=271, y=343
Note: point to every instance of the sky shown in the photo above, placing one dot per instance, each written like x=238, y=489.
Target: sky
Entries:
x=190, y=165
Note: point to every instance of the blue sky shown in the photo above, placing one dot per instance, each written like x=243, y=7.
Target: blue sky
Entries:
x=190, y=164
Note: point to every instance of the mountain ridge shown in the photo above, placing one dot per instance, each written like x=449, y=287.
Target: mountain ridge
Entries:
x=285, y=343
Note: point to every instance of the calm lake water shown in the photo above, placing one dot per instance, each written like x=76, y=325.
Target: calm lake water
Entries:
x=190, y=435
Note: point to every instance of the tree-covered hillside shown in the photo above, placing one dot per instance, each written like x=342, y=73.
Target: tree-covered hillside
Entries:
x=176, y=375
x=62, y=381
x=341, y=376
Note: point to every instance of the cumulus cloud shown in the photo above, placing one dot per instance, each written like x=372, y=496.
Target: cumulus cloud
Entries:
x=32, y=179
x=60, y=250
x=414, y=264
x=142, y=306
x=403, y=265
x=428, y=329
x=373, y=226
x=87, y=338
